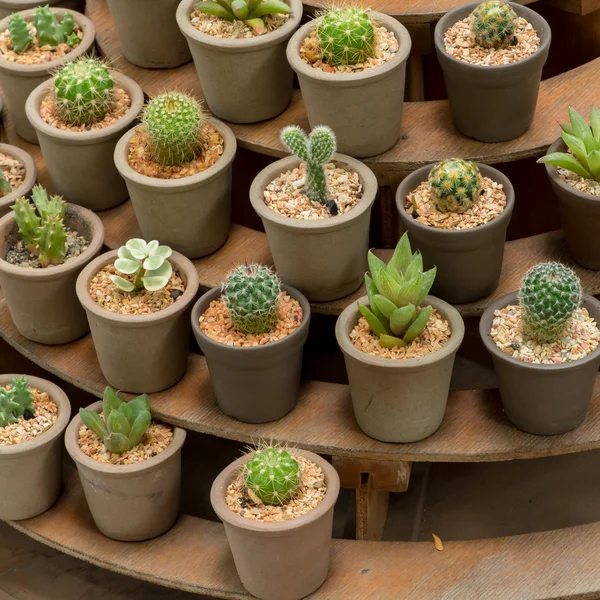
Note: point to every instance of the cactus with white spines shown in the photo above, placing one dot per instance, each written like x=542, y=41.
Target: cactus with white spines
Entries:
x=272, y=476
x=493, y=24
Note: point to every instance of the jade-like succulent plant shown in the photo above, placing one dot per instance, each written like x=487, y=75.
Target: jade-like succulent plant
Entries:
x=315, y=150
x=493, y=25
x=16, y=401
x=41, y=226
x=395, y=292
x=19, y=34
x=122, y=424
x=549, y=295
x=272, y=476
x=52, y=33
x=455, y=184
x=251, y=295
x=346, y=36
x=4, y=185
x=146, y=263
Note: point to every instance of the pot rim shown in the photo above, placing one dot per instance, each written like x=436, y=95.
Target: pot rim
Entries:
x=217, y=498
x=30, y=174
x=270, y=172
x=73, y=264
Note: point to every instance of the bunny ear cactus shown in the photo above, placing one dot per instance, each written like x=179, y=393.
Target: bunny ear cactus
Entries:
x=52, y=33
x=493, y=24
x=19, y=33
x=455, y=184
x=16, y=401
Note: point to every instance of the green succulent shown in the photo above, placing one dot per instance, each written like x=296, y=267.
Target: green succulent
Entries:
x=19, y=34
x=493, y=24
x=4, y=185
x=456, y=184
x=273, y=475
x=16, y=401
x=52, y=33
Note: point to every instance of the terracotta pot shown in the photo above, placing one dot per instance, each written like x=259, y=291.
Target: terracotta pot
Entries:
x=7, y=7
x=191, y=214
x=80, y=163
x=28, y=181
x=148, y=33
x=30, y=472
x=493, y=103
x=542, y=399
x=399, y=400
x=141, y=353
x=468, y=261
x=255, y=384
x=325, y=259
x=18, y=81
x=243, y=80
x=130, y=503
x=42, y=302
x=279, y=561
x=363, y=109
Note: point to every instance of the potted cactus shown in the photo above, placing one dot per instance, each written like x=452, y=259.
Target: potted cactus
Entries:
x=18, y=174
x=177, y=166
x=129, y=466
x=29, y=55
x=239, y=53
x=251, y=331
x=79, y=115
x=134, y=296
x=351, y=67
x=43, y=248
x=8, y=7
x=277, y=508
x=316, y=208
x=544, y=341
x=33, y=416
x=399, y=349
x=456, y=213
x=492, y=54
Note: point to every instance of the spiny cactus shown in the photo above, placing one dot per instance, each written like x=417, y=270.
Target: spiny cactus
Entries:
x=123, y=424
x=493, y=24
x=52, y=33
x=16, y=401
x=4, y=185
x=272, y=476
x=549, y=295
x=455, y=184
x=83, y=91
x=315, y=150
x=251, y=295
x=346, y=36
x=19, y=34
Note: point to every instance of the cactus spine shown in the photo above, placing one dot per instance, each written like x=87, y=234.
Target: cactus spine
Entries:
x=273, y=475
x=455, y=184
x=19, y=34
x=493, y=24
x=52, y=33
x=16, y=401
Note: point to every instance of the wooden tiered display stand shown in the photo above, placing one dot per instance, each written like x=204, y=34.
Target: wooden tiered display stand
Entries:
x=194, y=555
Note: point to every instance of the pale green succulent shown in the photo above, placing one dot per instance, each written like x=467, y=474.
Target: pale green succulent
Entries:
x=16, y=401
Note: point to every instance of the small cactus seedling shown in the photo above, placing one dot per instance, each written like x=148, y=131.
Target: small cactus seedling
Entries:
x=549, y=295
x=5, y=187
x=315, y=150
x=251, y=295
x=455, y=184
x=52, y=33
x=493, y=24
x=16, y=401
x=19, y=34
x=123, y=424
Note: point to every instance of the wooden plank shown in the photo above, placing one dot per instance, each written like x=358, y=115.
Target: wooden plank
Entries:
x=371, y=510
x=388, y=476
x=579, y=7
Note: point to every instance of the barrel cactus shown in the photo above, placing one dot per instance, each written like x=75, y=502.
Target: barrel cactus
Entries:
x=493, y=24
x=16, y=401
x=455, y=184
x=19, y=34
x=272, y=475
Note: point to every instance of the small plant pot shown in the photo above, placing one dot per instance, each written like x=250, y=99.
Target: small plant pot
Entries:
x=42, y=302
x=192, y=215
x=18, y=81
x=493, y=103
x=243, y=80
x=399, y=400
x=468, y=261
x=135, y=502
x=141, y=353
x=325, y=259
x=148, y=33
x=30, y=472
x=364, y=109
x=7, y=7
x=538, y=398
x=279, y=561
x=28, y=181
x=257, y=384
x=80, y=163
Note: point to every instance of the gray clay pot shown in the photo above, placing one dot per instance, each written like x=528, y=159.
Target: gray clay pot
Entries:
x=28, y=181
x=7, y=7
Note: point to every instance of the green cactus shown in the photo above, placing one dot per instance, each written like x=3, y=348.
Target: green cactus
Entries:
x=549, y=295
x=52, y=33
x=493, y=24
x=52, y=241
x=19, y=34
x=346, y=36
x=4, y=185
x=123, y=424
x=15, y=402
x=455, y=184
x=272, y=475
x=251, y=295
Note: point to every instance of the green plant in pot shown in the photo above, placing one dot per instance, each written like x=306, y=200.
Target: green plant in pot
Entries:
x=16, y=401
x=5, y=187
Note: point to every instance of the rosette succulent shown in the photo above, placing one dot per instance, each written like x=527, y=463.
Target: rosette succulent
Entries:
x=455, y=184
x=16, y=401
x=493, y=24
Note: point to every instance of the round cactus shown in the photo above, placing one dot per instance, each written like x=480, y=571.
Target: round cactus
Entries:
x=346, y=36
x=173, y=122
x=251, y=295
x=493, y=24
x=455, y=184
x=549, y=294
x=83, y=91
x=273, y=475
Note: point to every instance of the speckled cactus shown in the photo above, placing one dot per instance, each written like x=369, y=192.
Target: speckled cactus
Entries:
x=19, y=34
x=52, y=33
x=455, y=184
x=549, y=295
x=16, y=401
x=272, y=476
x=493, y=24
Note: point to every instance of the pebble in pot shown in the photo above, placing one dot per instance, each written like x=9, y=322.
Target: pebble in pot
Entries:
x=19, y=173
